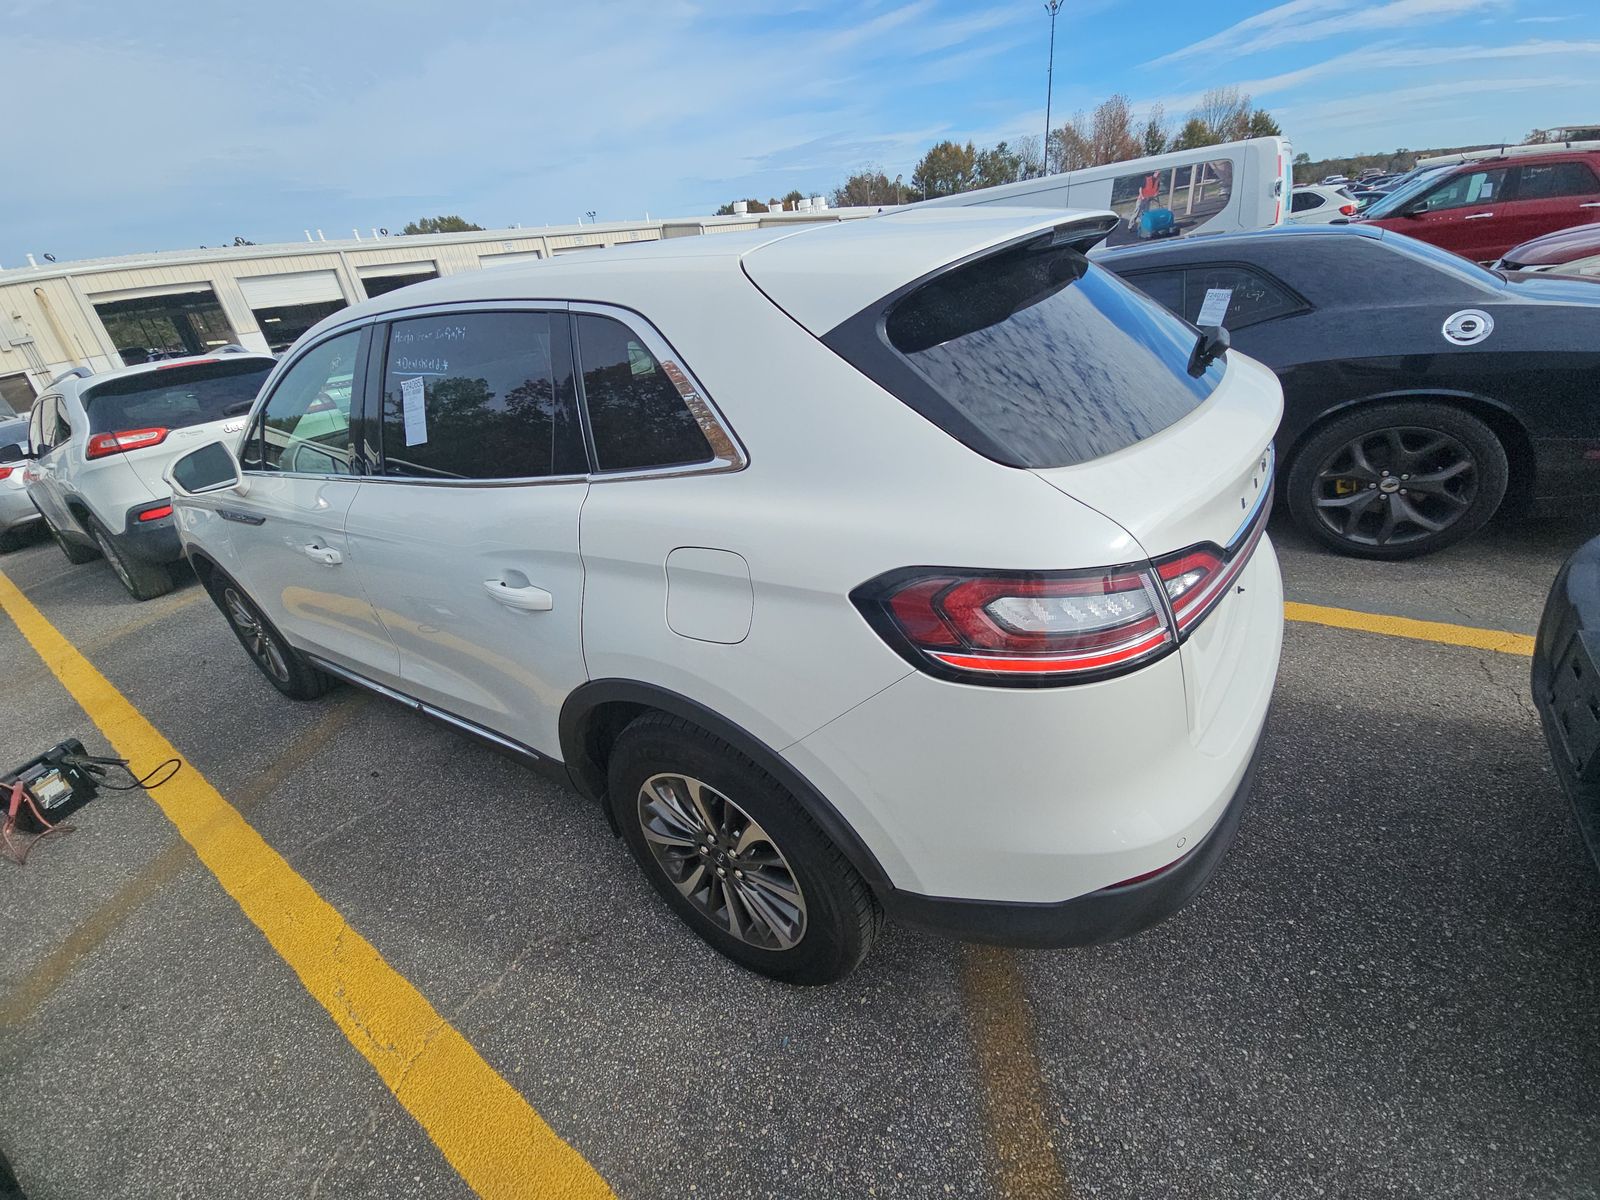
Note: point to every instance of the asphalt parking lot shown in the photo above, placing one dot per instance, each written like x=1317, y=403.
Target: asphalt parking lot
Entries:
x=1392, y=987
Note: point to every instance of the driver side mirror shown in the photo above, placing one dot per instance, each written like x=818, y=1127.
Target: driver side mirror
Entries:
x=212, y=468
x=16, y=452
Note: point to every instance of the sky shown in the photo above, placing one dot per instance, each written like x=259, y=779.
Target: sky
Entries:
x=129, y=132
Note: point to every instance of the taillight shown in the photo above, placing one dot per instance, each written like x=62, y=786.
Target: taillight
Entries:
x=102, y=444
x=1027, y=628
x=5, y=472
x=1348, y=210
x=1195, y=580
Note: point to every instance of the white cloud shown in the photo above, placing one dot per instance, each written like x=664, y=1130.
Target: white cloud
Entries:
x=1302, y=21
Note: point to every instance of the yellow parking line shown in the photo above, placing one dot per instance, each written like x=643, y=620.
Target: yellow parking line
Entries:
x=1405, y=627
x=493, y=1138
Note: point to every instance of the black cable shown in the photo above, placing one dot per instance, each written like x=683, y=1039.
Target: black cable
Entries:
x=98, y=766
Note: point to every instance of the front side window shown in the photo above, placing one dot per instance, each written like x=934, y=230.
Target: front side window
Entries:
x=42, y=424
x=485, y=395
x=1473, y=187
x=637, y=413
x=305, y=426
x=1548, y=181
x=1253, y=297
x=1051, y=359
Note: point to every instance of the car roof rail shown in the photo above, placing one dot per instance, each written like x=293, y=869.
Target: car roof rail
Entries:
x=73, y=373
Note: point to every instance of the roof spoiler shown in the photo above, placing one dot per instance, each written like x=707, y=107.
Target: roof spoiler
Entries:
x=74, y=373
x=1086, y=232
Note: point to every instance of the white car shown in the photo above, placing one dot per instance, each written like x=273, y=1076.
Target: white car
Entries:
x=99, y=445
x=911, y=565
x=16, y=510
x=1318, y=205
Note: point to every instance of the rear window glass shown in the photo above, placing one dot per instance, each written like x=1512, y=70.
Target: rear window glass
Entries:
x=1055, y=360
x=172, y=397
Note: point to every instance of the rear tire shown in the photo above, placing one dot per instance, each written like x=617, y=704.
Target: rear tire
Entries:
x=144, y=580
x=1394, y=481
x=285, y=667
x=785, y=902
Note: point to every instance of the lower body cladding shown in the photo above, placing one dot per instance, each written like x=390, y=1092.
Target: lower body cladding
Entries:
x=1059, y=816
x=151, y=537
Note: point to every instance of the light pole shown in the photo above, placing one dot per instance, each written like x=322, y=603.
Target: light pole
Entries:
x=1052, y=7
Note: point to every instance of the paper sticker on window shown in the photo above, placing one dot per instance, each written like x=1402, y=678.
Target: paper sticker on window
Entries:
x=1215, y=307
x=416, y=413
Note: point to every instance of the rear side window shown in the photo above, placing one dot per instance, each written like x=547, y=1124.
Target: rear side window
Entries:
x=175, y=396
x=1045, y=360
x=1547, y=181
x=1164, y=287
x=1305, y=202
x=485, y=395
x=636, y=414
x=1253, y=297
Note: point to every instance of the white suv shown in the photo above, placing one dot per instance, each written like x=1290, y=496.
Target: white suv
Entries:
x=910, y=565
x=99, y=446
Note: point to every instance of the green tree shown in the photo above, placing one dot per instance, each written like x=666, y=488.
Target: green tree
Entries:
x=1302, y=159
x=1069, y=145
x=1193, y=135
x=996, y=165
x=945, y=169
x=450, y=224
x=1153, y=140
x=1262, y=125
x=755, y=206
x=867, y=186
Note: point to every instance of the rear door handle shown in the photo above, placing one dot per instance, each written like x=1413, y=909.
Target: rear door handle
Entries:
x=527, y=598
x=325, y=555
x=1477, y=216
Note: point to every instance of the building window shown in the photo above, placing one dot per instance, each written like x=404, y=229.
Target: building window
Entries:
x=282, y=326
x=16, y=394
x=155, y=327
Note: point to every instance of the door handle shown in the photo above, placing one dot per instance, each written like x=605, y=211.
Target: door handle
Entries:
x=1477, y=216
x=325, y=555
x=527, y=599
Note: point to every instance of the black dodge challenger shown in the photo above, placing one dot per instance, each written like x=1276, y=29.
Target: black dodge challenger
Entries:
x=1420, y=390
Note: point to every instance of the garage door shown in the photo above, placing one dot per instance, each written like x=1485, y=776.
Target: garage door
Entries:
x=301, y=287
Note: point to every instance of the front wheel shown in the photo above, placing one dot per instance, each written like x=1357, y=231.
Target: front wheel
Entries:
x=144, y=580
x=734, y=855
x=1394, y=481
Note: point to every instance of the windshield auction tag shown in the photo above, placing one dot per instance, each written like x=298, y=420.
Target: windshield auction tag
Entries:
x=1215, y=307
x=415, y=411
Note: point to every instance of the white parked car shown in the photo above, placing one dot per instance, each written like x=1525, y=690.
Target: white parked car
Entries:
x=910, y=565
x=16, y=510
x=1315, y=204
x=99, y=445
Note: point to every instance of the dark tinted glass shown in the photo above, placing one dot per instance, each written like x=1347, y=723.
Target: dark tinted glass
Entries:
x=13, y=437
x=1164, y=287
x=172, y=397
x=481, y=396
x=1056, y=360
x=305, y=426
x=1549, y=180
x=635, y=412
x=1301, y=201
x=1254, y=297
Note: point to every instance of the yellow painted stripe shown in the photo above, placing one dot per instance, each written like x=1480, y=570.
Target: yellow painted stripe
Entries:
x=492, y=1137
x=1470, y=636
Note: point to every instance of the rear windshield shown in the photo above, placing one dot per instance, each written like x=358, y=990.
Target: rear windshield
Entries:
x=172, y=397
x=1054, y=360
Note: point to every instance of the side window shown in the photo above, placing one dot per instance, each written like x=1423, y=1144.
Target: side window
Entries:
x=486, y=395
x=1474, y=187
x=305, y=426
x=1305, y=202
x=40, y=426
x=63, y=433
x=1547, y=181
x=1256, y=297
x=637, y=415
x=1164, y=287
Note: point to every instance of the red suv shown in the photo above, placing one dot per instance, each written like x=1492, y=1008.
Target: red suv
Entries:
x=1481, y=209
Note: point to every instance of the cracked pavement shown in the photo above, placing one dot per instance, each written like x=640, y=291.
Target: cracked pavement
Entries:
x=1391, y=988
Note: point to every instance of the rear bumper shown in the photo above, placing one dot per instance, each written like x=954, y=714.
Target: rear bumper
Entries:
x=1102, y=916
x=152, y=541
x=1566, y=686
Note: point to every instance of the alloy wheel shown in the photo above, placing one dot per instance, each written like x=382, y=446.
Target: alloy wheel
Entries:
x=722, y=861
x=109, y=552
x=1389, y=487
x=260, y=643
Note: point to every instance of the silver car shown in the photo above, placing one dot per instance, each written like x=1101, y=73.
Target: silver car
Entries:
x=16, y=510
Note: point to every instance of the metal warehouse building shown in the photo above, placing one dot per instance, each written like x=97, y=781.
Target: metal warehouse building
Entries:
x=111, y=312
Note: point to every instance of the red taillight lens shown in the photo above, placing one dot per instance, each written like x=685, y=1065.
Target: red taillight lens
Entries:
x=5, y=472
x=155, y=514
x=102, y=444
x=1348, y=210
x=1048, y=627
